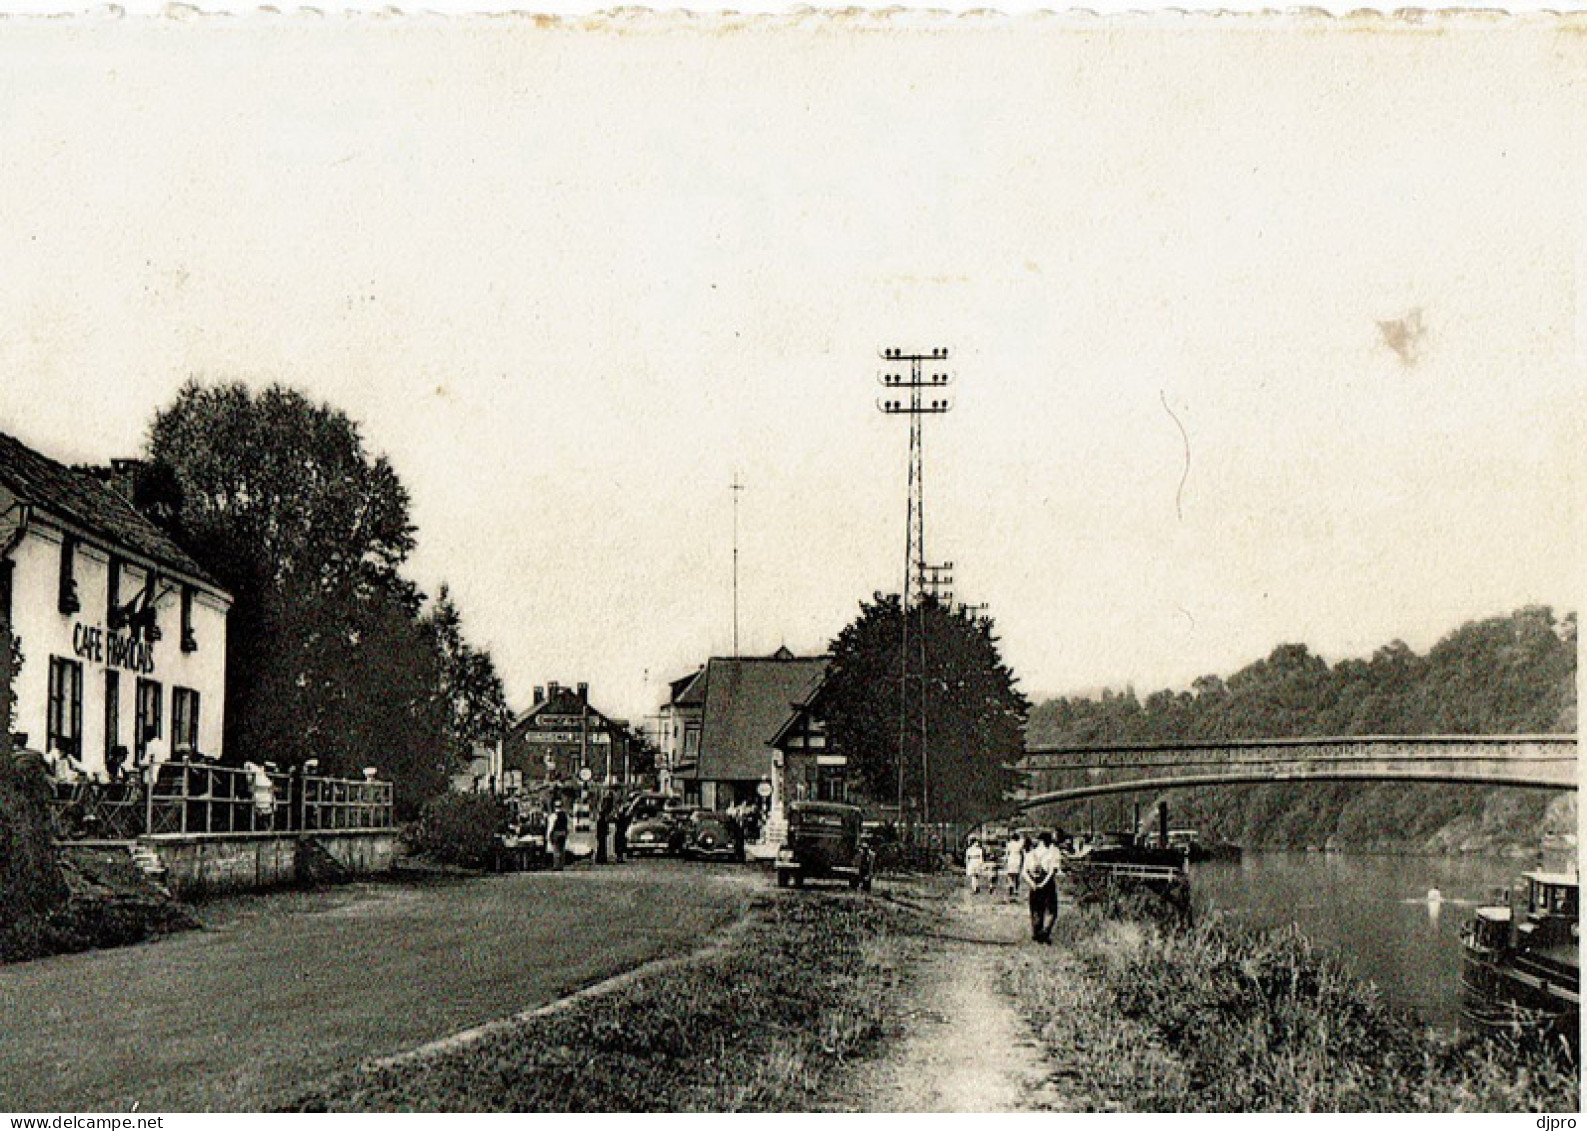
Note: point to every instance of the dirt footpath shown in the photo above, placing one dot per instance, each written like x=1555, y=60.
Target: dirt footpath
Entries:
x=968, y=1050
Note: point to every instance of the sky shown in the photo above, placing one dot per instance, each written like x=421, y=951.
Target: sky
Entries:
x=1262, y=331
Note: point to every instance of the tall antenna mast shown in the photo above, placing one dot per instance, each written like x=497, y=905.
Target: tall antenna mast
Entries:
x=915, y=373
x=736, y=487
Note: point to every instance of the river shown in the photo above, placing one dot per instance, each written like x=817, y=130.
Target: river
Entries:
x=1372, y=909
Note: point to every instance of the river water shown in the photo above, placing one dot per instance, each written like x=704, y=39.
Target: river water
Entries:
x=1372, y=909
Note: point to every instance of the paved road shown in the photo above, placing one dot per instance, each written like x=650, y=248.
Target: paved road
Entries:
x=286, y=989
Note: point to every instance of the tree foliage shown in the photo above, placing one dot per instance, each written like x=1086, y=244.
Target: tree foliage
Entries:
x=973, y=712
x=328, y=655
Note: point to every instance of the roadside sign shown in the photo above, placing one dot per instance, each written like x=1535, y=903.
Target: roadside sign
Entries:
x=764, y=789
x=586, y=774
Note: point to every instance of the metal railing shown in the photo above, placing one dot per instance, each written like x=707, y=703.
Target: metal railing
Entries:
x=187, y=798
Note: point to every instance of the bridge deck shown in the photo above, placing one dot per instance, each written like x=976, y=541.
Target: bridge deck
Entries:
x=1546, y=761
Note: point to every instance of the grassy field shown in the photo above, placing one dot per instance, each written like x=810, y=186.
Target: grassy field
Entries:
x=760, y=1025
x=1139, y=1016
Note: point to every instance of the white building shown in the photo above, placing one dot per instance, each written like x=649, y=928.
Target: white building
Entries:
x=122, y=634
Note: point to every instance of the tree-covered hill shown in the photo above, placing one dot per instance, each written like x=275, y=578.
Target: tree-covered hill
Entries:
x=1514, y=674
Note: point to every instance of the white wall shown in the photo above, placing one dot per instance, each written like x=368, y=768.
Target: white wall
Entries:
x=44, y=631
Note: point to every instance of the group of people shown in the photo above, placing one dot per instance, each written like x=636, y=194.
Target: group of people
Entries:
x=611, y=830
x=1036, y=864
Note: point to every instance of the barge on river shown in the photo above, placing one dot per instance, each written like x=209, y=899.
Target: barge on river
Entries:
x=1522, y=963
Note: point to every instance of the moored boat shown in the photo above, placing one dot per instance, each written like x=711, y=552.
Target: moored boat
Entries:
x=1522, y=968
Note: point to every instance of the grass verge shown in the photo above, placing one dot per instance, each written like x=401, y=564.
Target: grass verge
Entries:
x=1146, y=1016
x=759, y=1025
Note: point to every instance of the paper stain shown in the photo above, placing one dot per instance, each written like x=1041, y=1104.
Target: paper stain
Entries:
x=1405, y=336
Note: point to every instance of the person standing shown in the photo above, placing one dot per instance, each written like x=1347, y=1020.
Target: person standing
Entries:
x=620, y=834
x=603, y=826
x=1013, y=862
x=1040, y=873
x=557, y=836
x=974, y=864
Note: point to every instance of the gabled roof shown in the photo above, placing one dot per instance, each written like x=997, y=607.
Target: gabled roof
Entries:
x=85, y=502
x=688, y=691
x=805, y=706
x=747, y=700
x=566, y=701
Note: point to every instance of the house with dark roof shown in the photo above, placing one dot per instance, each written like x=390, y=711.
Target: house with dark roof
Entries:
x=743, y=702
x=562, y=735
x=122, y=633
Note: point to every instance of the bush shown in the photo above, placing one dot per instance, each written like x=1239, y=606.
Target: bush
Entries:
x=459, y=828
x=31, y=885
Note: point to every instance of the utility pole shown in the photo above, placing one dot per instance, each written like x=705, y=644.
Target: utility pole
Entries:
x=737, y=487
x=914, y=373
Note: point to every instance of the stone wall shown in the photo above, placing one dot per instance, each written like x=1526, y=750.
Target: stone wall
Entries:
x=198, y=865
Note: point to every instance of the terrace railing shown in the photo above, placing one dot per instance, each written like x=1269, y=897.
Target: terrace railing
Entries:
x=187, y=798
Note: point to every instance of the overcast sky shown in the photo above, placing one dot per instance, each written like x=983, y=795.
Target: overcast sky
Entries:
x=571, y=281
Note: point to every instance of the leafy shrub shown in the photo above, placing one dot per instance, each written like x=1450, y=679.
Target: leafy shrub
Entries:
x=459, y=828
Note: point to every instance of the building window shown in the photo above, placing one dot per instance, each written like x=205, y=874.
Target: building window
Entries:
x=147, y=619
x=691, y=742
x=67, y=600
x=113, y=593
x=65, y=723
x=148, y=718
x=184, y=719
x=189, y=640
x=112, y=716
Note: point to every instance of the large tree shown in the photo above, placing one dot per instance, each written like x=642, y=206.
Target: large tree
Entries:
x=469, y=691
x=955, y=684
x=327, y=656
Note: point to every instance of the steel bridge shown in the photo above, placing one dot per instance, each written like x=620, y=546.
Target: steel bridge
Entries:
x=1536, y=761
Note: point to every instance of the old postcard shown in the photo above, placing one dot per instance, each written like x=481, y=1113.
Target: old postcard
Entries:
x=800, y=561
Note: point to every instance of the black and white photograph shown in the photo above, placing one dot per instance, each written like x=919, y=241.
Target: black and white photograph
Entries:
x=790, y=561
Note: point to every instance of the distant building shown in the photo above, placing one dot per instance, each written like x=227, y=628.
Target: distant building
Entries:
x=738, y=707
x=122, y=634
x=482, y=772
x=560, y=735
x=811, y=769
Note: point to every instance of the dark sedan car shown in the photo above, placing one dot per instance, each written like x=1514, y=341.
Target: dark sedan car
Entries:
x=712, y=836
x=655, y=825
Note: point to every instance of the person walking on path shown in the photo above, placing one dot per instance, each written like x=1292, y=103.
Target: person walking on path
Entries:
x=1041, y=878
x=1013, y=862
x=974, y=864
x=557, y=836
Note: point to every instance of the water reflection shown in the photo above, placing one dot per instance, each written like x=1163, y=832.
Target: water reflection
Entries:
x=1378, y=911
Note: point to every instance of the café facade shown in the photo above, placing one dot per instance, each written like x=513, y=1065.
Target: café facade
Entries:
x=122, y=635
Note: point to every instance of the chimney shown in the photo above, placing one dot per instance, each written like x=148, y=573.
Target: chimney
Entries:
x=540, y=696
x=584, y=693
x=552, y=688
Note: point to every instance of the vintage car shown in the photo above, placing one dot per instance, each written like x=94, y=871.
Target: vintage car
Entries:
x=655, y=825
x=825, y=841
x=712, y=836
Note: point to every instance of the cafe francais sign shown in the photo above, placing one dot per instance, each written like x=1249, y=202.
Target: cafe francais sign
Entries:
x=113, y=649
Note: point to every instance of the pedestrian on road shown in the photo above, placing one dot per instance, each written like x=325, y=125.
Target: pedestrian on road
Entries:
x=1041, y=878
x=1013, y=861
x=974, y=864
x=557, y=836
x=603, y=826
x=620, y=834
